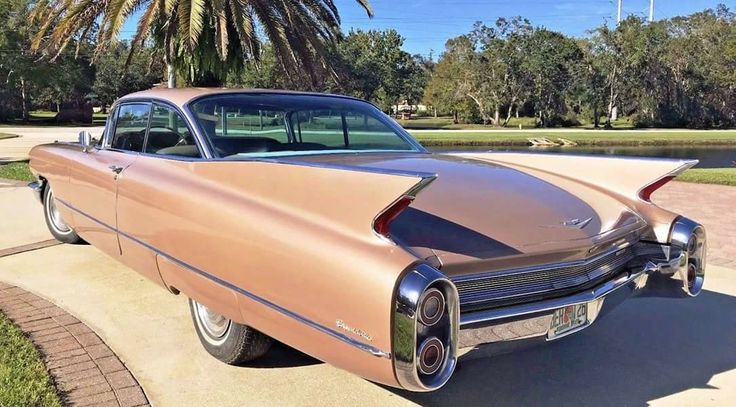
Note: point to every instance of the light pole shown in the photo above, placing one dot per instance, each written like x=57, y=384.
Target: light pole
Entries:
x=651, y=10
x=618, y=19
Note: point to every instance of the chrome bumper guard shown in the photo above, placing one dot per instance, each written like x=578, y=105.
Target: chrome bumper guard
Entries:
x=37, y=187
x=680, y=274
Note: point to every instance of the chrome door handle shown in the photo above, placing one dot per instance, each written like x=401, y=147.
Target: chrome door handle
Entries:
x=116, y=169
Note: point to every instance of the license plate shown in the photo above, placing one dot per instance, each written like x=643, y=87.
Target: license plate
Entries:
x=567, y=319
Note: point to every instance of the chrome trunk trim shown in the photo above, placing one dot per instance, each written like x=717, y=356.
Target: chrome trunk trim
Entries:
x=528, y=284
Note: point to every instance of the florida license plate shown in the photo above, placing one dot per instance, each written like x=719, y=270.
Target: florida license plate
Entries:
x=567, y=319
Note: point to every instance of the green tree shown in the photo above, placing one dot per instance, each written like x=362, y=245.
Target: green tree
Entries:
x=550, y=65
x=17, y=65
x=26, y=82
x=586, y=94
x=114, y=79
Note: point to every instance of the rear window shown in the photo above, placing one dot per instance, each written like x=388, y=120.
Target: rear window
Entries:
x=281, y=124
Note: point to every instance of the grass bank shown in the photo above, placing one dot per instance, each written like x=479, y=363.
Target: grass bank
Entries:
x=721, y=176
x=582, y=137
x=16, y=171
x=24, y=380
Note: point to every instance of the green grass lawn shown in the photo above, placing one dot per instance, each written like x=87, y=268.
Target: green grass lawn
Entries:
x=582, y=137
x=24, y=380
x=722, y=176
x=16, y=171
x=445, y=123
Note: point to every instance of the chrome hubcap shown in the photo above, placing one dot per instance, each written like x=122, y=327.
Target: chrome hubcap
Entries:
x=55, y=216
x=214, y=324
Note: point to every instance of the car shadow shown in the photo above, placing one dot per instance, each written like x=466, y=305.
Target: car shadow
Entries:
x=281, y=356
x=646, y=349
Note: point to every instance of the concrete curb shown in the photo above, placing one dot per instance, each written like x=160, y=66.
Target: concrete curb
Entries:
x=84, y=369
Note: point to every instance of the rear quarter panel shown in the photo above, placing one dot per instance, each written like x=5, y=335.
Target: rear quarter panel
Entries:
x=297, y=237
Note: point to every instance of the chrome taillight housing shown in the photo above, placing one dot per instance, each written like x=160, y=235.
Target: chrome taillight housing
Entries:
x=688, y=240
x=431, y=307
x=425, y=330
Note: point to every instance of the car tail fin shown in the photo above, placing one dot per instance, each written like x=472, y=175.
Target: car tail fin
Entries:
x=382, y=222
x=632, y=177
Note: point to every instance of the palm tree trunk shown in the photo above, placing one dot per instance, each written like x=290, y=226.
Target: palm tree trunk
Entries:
x=172, y=74
x=24, y=99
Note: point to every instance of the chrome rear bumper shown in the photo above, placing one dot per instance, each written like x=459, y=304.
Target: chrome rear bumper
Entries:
x=531, y=322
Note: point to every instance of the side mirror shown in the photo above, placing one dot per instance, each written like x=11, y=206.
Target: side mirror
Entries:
x=85, y=140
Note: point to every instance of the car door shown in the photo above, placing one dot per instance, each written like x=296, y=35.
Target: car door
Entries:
x=94, y=182
x=146, y=212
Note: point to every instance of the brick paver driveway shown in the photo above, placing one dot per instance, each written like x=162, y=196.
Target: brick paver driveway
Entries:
x=712, y=205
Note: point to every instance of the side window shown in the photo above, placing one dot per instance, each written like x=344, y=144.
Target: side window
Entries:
x=367, y=132
x=130, y=127
x=169, y=135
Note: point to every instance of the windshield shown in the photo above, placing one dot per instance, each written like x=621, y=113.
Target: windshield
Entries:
x=266, y=125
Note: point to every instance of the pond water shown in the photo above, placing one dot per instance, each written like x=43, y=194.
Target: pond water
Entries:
x=709, y=156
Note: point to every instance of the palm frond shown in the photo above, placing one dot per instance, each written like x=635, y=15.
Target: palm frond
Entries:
x=198, y=34
x=191, y=21
x=144, y=27
x=367, y=6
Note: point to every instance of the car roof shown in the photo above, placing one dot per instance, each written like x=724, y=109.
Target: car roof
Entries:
x=181, y=96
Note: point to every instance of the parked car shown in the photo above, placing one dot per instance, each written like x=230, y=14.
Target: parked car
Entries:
x=318, y=221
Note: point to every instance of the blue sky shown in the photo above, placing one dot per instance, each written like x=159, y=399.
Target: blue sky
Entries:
x=427, y=24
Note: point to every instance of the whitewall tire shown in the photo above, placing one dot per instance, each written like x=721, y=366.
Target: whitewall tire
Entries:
x=56, y=224
x=227, y=341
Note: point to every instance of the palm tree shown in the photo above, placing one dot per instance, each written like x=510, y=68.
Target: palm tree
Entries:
x=199, y=35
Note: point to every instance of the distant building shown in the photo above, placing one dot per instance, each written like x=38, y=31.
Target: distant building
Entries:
x=405, y=110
